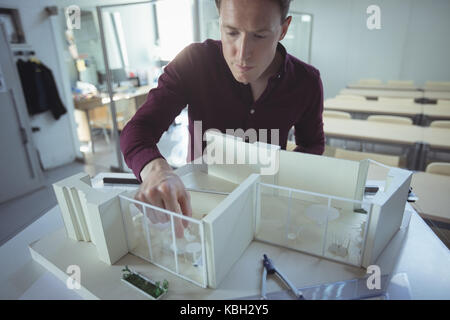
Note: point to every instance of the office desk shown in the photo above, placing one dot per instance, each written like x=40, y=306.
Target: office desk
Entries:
x=435, y=112
x=434, y=139
x=378, y=132
x=138, y=96
x=95, y=102
x=384, y=93
x=368, y=107
x=373, y=131
x=382, y=86
x=440, y=95
x=421, y=139
x=437, y=138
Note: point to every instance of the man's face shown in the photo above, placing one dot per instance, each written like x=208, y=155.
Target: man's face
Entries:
x=250, y=31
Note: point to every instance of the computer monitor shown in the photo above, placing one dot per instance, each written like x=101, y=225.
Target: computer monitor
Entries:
x=118, y=75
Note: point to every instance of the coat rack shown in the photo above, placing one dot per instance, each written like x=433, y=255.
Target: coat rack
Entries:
x=24, y=53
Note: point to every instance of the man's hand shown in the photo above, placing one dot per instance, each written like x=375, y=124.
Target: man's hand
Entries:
x=161, y=187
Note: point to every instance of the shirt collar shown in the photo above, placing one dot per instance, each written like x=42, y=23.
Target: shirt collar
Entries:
x=284, y=65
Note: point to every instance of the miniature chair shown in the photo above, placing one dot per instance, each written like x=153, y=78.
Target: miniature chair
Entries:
x=388, y=160
x=440, y=124
x=391, y=119
x=438, y=168
x=337, y=114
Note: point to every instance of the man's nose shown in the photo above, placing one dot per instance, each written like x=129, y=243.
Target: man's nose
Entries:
x=244, y=49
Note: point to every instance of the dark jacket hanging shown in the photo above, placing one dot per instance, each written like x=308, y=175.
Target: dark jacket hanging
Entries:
x=40, y=89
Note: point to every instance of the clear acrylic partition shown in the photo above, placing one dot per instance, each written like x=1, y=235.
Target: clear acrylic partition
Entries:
x=316, y=224
x=151, y=235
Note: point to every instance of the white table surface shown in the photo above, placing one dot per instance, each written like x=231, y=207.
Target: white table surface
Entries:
x=422, y=257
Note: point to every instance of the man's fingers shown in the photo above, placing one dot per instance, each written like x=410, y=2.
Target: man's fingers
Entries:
x=154, y=199
x=140, y=197
x=171, y=195
x=186, y=208
x=175, y=207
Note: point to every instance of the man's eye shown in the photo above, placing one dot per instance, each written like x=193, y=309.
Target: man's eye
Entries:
x=259, y=37
x=232, y=34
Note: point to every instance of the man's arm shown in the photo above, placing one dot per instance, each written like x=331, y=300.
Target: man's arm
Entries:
x=309, y=135
x=160, y=186
x=141, y=134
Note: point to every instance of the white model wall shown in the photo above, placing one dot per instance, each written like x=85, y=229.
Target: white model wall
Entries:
x=412, y=44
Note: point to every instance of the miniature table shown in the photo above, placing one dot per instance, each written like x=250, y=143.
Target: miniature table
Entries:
x=415, y=251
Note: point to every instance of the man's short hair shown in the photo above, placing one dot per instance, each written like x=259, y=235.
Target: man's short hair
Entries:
x=284, y=7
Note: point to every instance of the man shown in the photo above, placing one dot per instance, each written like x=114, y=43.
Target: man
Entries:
x=246, y=80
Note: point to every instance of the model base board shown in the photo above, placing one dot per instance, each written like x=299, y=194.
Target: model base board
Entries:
x=311, y=204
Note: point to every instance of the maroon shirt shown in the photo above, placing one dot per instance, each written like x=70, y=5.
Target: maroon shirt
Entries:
x=200, y=78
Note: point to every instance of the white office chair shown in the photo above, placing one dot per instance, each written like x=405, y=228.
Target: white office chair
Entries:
x=388, y=160
x=369, y=82
x=443, y=103
x=437, y=85
x=400, y=84
x=442, y=168
x=350, y=97
x=395, y=101
x=390, y=119
x=336, y=114
x=440, y=124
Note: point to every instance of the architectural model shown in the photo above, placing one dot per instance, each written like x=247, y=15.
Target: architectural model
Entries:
x=312, y=204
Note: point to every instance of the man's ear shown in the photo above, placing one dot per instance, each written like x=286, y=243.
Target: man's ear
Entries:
x=285, y=27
